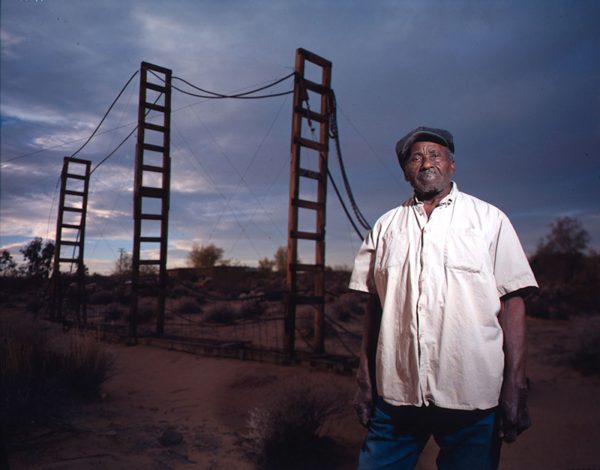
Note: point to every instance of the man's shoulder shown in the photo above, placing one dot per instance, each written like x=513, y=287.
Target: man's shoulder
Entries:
x=385, y=219
x=472, y=203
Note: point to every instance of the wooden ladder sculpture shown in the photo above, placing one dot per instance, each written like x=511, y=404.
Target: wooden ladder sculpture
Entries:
x=70, y=240
x=151, y=191
x=308, y=190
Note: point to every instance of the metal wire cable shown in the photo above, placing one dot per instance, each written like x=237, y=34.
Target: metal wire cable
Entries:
x=343, y=204
x=245, y=95
x=124, y=140
x=334, y=134
x=196, y=95
x=114, y=150
x=105, y=114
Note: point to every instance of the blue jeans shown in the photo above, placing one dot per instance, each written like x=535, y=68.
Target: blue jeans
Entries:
x=397, y=435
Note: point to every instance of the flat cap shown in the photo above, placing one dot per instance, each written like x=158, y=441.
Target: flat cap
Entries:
x=423, y=134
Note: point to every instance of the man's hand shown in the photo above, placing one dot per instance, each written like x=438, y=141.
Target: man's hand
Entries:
x=515, y=413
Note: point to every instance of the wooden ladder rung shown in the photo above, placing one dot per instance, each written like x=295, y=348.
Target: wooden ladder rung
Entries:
x=307, y=235
x=312, y=144
x=307, y=204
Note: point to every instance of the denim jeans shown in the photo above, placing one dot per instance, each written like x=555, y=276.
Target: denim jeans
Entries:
x=397, y=435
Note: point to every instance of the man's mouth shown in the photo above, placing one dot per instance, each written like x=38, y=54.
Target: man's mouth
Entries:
x=427, y=175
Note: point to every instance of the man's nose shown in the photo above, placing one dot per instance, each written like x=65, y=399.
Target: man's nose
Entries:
x=427, y=162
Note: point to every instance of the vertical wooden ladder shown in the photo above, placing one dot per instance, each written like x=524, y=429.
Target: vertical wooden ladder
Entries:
x=308, y=191
x=151, y=191
x=70, y=237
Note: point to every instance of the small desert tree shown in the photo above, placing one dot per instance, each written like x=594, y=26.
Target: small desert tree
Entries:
x=567, y=275
x=204, y=256
x=560, y=256
x=280, y=259
x=122, y=264
x=266, y=264
x=8, y=266
x=38, y=257
x=567, y=236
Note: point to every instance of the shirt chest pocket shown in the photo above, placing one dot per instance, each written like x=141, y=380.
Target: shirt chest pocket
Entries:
x=393, y=251
x=465, y=250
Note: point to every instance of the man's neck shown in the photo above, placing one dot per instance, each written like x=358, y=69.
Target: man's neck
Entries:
x=432, y=199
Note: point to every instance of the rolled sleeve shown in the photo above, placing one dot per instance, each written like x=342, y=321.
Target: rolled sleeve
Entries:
x=362, y=278
x=511, y=267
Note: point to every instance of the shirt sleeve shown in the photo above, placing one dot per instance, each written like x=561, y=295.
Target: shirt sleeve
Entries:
x=362, y=278
x=511, y=267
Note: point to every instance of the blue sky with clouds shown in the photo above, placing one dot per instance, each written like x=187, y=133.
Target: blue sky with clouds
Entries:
x=516, y=82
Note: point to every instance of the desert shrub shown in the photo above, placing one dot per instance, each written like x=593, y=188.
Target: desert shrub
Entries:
x=86, y=366
x=585, y=346
x=251, y=309
x=37, y=379
x=103, y=297
x=146, y=314
x=114, y=312
x=337, y=280
x=178, y=291
x=34, y=304
x=305, y=322
x=346, y=306
x=553, y=300
x=187, y=305
x=568, y=273
x=286, y=431
x=204, y=256
x=220, y=312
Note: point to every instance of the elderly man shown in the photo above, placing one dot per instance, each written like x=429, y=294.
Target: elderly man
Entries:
x=443, y=350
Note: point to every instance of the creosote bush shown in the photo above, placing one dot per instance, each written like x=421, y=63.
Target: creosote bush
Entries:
x=286, y=431
x=103, y=297
x=220, y=312
x=187, y=305
x=86, y=366
x=251, y=309
x=347, y=306
x=37, y=378
x=585, y=347
x=114, y=312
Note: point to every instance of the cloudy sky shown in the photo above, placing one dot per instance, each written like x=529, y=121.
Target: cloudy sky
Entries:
x=516, y=82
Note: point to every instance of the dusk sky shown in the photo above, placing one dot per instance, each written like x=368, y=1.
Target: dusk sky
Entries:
x=516, y=82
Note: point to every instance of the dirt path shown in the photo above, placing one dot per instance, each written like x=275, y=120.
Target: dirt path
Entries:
x=205, y=402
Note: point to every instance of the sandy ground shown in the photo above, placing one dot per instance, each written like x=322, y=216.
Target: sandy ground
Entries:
x=206, y=400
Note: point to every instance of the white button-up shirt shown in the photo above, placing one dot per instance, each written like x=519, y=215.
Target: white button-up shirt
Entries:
x=439, y=281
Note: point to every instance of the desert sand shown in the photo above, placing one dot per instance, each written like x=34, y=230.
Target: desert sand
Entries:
x=197, y=406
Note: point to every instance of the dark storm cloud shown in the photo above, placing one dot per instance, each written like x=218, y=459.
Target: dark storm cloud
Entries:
x=516, y=82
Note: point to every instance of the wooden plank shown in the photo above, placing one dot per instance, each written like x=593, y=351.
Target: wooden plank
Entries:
x=307, y=204
x=307, y=235
x=312, y=144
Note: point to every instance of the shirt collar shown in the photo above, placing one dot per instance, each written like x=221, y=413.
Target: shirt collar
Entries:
x=449, y=199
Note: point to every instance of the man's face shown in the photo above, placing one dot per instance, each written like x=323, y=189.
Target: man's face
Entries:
x=429, y=168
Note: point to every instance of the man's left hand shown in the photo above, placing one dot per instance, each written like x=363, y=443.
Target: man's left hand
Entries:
x=515, y=413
